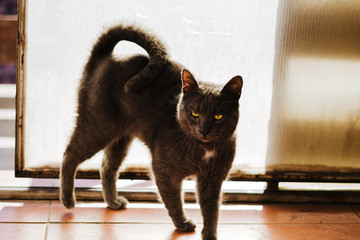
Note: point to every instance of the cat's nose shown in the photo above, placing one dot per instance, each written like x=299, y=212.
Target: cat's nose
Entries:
x=204, y=132
x=204, y=128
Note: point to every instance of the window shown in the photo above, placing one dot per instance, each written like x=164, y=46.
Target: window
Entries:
x=300, y=62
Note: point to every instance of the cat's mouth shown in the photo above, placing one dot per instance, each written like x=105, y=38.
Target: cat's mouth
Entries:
x=206, y=138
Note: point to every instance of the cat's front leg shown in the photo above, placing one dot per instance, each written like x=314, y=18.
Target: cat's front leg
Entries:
x=209, y=190
x=170, y=191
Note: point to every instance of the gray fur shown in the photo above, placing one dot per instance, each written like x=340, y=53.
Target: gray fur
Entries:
x=152, y=98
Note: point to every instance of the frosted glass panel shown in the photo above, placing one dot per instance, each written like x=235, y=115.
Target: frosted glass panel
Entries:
x=216, y=40
x=300, y=61
x=321, y=89
x=315, y=122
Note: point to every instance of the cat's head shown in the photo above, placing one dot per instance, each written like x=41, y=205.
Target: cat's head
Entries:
x=209, y=112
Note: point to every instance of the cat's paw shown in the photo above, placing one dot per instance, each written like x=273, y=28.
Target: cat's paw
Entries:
x=209, y=238
x=186, y=226
x=118, y=203
x=68, y=200
x=205, y=235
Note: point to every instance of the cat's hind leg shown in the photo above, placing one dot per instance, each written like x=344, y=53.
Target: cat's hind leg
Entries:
x=84, y=144
x=115, y=153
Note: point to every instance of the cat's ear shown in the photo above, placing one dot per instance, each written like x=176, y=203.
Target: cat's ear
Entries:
x=233, y=87
x=188, y=81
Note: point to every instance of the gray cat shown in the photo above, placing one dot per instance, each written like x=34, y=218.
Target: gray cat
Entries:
x=187, y=125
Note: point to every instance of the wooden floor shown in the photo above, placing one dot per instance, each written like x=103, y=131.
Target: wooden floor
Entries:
x=91, y=221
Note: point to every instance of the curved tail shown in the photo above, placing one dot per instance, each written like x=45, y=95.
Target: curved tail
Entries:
x=156, y=50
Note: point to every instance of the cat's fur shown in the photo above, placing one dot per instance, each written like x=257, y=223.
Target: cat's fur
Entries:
x=153, y=99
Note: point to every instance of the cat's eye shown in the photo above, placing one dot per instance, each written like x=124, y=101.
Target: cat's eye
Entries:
x=218, y=117
x=195, y=115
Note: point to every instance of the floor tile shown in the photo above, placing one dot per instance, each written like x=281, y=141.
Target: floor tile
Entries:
x=98, y=212
x=24, y=211
x=288, y=232
x=117, y=231
x=22, y=231
x=225, y=232
x=311, y=231
x=270, y=213
x=309, y=213
x=290, y=213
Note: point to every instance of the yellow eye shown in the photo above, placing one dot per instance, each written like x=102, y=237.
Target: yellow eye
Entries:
x=218, y=117
x=195, y=115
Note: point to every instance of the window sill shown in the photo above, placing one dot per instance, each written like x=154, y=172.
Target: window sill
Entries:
x=12, y=188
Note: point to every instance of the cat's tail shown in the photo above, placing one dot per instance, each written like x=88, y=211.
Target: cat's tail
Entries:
x=153, y=46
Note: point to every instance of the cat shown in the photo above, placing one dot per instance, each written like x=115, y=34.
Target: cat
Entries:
x=188, y=125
